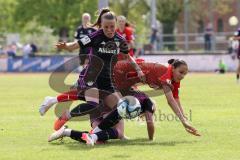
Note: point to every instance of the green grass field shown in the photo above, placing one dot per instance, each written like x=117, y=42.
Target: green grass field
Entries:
x=214, y=101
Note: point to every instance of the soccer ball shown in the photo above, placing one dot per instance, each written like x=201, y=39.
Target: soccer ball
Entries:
x=129, y=107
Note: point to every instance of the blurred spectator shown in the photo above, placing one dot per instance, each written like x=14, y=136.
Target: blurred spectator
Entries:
x=222, y=67
x=155, y=38
x=11, y=50
x=27, y=50
x=34, y=49
x=208, y=37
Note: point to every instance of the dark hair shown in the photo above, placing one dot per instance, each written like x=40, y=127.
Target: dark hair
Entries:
x=105, y=13
x=127, y=24
x=176, y=62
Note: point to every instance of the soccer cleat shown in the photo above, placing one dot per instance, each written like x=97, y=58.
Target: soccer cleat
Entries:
x=46, y=104
x=88, y=139
x=57, y=134
x=60, y=121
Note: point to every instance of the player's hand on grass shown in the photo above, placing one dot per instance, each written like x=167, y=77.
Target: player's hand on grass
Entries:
x=190, y=129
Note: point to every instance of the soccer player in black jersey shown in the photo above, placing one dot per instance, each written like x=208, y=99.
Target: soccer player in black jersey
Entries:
x=105, y=44
x=109, y=123
x=83, y=30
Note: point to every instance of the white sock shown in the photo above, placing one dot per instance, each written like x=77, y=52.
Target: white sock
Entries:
x=54, y=100
x=94, y=137
x=67, y=132
x=95, y=130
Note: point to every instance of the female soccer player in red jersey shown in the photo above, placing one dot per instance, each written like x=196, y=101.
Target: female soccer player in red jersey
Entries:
x=127, y=32
x=158, y=77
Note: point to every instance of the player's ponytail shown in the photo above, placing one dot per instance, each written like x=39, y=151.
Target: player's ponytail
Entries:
x=176, y=62
x=170, y=61
x=105, y=13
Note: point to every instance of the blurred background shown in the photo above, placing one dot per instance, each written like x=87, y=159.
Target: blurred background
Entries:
x=197, y=31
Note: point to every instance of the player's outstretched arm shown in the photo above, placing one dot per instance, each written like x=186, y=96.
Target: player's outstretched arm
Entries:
x=68, y=46
x=180, y=107
x=174, y=106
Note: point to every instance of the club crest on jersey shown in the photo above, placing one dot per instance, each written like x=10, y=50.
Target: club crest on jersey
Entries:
x=90, y=83
x=85, y=40
x=103, y=43
x=118, y=44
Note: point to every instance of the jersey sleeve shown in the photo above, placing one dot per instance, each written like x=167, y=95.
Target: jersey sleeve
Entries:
x=166, y=79
x=86, y=41
x=175, y=90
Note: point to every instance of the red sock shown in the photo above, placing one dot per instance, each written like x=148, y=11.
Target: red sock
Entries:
x=68, y=96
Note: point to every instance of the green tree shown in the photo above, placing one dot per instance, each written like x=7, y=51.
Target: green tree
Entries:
x=60, y=15
x=203, y=9
x=135, y=11
x=168, y=12
x=7, y=9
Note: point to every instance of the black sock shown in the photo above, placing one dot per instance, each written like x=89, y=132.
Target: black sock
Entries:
x=104, y=135
x=237, y=76
x=76, y=135
x=83, y=109
x=109, y=121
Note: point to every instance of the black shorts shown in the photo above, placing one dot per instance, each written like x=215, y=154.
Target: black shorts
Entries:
x=105, y=84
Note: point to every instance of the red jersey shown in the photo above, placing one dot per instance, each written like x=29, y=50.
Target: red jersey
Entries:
x=128, y=35
x=156, y=74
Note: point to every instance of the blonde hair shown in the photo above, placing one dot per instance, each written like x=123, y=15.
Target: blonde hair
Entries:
x=89, y=16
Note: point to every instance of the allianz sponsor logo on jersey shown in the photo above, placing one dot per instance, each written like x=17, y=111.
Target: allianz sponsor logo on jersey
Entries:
x=105, y=49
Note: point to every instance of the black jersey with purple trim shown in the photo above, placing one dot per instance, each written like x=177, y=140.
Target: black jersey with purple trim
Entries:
x=81, y=32
x=104, y=48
